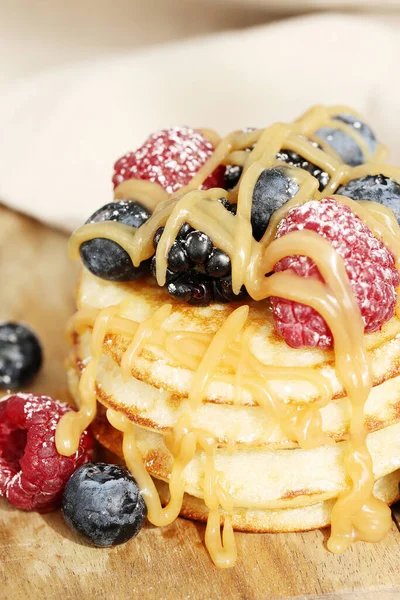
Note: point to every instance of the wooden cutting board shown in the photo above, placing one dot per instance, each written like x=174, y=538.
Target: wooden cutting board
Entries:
x=41, y=559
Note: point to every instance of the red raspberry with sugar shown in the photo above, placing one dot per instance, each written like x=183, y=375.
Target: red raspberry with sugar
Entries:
x=32, y=473
x=370, y=267
x=170, y=157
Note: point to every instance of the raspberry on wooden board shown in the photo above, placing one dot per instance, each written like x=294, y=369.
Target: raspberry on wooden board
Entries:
x=32, y=473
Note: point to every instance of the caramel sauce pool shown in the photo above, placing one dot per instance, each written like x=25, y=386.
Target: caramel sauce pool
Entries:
x=357, y=514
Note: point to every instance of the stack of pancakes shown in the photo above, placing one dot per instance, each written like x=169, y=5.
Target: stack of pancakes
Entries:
x=275, y=485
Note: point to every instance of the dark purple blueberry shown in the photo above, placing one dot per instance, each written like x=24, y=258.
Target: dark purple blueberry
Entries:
x=344, y=144
x=219, y=264
x=103, y=504
x=273, y=189
x=377, y=188
x=20, y=355
x=198, y=247
x=105, y=258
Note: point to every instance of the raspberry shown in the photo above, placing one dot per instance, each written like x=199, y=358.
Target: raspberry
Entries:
x=32, y=473
x=170, y=157
x=370, y=267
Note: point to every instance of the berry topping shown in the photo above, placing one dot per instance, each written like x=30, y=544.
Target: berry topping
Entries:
x=295, y=160
x=198, y=247
x=106, y=258
x=103, y=504
x=344, y=144
x=218, y=264
x=193, y=287
x=234, y=172
x=224, y=288
x=197, y=272
x=377, y=188
x=32, y=473
x=20, y=355
x=273, y=189
x=170, y=157
x=231, y=176
x=370, y=267
x=178, y=259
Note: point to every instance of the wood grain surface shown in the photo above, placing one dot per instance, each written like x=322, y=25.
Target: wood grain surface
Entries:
x=41, y=559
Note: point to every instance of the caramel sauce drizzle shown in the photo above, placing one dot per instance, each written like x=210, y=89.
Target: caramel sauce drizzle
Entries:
x=357, y=513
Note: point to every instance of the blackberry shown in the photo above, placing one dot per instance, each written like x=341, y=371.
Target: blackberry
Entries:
x=295, y=160
x=231, y=176
x=218, y=263
x=345, y=145
x=233, y=172
x=224, y=287
x=195, y=267
x=192, y=287
x=198, y=247
x=105, y=258
x=178, y=260
x=170, y=275
x=231, y=207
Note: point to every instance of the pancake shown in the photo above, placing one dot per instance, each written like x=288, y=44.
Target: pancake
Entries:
x=287, y=520
x=160, y=410
x=159, y=369
x=209, y=401
x=302, y=518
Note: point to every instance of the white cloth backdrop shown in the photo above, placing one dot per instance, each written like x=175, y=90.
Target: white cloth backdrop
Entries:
x=68, y=110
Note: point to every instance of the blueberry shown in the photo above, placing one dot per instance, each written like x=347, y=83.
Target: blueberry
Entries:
x=106, y=258
x=273, y=189
x=377, y=188
x=219, y=264
x=103, y=503
x=347, y=147
x=178, y=260
x=198, y=246
x=20, y=355
x=129, y=212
